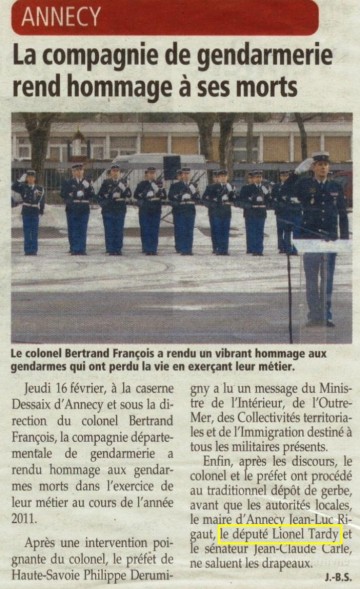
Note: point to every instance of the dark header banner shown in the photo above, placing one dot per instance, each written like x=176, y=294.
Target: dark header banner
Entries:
x=165, y=17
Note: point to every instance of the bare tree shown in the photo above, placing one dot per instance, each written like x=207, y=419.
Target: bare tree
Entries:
x=301, y=118
x=226, y=151
x=303, y=135
x=250, y=116
x=38, y=126
x=205, y=123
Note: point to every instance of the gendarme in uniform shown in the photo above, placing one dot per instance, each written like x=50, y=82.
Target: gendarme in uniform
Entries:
x=33, y=203
x=324, y=217
x=113, y=196
x=77, y=192
x=218, y=198
x=183, y=195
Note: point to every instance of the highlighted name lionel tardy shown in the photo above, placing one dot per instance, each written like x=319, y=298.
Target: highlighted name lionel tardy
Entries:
x=270, y=534
x=106, y=17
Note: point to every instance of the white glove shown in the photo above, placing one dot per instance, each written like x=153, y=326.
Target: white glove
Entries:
x=304, y=166
x=192, y=188
x=229, y=187
x=259, y=199
x=224, y=198
x=186, y=196
x=122, y=186
x=23, y=178
x=85, y=184
x=294, y=200
x=80, y=193
x=116, y=195
x=154, y=186
x=265, y=190
x=150, y=193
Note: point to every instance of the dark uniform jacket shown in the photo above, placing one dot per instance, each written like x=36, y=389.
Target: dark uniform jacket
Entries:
x=149, y=195
x=77, y=195
x=323, y=205
x=33, y=198
x=183, y=197
x=284, y=201
x=254, y=200
x=113, y=195
x=217, y=198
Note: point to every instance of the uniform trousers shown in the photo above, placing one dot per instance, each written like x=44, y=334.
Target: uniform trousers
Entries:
x=221, y=228
x=149, y=220
x=319, y=275
x=78, y=230
x=114, y=230
x=31, y=231
x=184, y=223
x=256, y=234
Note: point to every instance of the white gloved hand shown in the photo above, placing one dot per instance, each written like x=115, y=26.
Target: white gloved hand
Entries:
x=225, y=198
x=22, y=178
x=116, y=195
x=294, y=200
x=259, y=199
x=122, y=186
x=154, y=186
x=304, y=166
x=150, y=193
x=192, y=188
x=265, y=190
x=229, y=187
x=85, y=184
x=80, y=193
x=186, y=196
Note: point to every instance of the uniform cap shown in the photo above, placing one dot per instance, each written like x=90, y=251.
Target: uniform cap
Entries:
x=186, y=169
x=222, y=172
x=30, y=173
x=150, y=169
x=321, y=156
x=77, y=166
x=115, y=167
x=284, y=171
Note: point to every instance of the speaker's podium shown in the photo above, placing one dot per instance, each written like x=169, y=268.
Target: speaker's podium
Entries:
x=323, y=308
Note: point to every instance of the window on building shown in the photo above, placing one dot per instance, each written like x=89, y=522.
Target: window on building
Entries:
x=122, y=146
x=339, y=148
x=154, y=144
x=97, y=147
x=239, y=149
x=185, y=145
x=276, y=149
x=313, y=144
x=23, y=148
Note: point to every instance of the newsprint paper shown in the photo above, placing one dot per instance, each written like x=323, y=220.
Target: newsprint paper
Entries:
x=185, y=417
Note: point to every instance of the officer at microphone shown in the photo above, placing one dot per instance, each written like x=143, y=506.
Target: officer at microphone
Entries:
x=324, y=217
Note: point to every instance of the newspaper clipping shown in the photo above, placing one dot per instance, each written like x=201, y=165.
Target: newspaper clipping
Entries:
x=179, y=359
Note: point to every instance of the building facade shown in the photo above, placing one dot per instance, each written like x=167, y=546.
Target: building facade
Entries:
x=274, y=141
